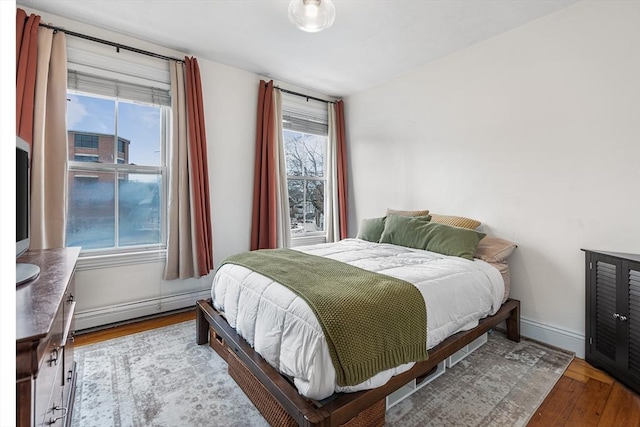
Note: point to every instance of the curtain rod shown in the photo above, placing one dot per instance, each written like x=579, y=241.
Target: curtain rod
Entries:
x=303, y=95
x=118, y=46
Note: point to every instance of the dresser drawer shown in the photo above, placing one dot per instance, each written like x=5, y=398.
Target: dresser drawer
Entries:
x=49, y=378
x=55, y=411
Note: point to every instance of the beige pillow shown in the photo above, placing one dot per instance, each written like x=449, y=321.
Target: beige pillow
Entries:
x=494, y=249
x=407, y=213
x=503, y=268
x=455, y=221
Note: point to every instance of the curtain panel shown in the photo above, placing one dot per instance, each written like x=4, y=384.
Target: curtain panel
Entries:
x=190, y=236
x=283, y=226
x=198, y=169
x=270, y=225
x=49, y=149
x=265, y=215
x=341, y=149
x=180, y=261
x=336, y=206
x=26, y=60
x=332, y=217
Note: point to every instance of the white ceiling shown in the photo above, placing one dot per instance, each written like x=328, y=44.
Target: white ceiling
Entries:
x=370, y=42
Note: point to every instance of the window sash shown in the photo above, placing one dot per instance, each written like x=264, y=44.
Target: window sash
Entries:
x=304, y=202
x=117, y=171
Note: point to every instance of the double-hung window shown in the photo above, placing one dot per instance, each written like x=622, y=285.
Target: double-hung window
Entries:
x=305, y=133
x=117, y=139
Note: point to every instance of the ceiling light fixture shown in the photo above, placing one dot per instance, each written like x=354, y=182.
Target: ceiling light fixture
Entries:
x=312, y=15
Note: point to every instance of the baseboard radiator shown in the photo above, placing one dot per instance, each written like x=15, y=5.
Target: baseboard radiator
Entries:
x=95, y=318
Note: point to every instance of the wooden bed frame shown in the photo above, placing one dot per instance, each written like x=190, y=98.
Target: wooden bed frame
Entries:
x=269, y=390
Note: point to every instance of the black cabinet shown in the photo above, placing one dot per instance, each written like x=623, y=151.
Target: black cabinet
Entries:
x=613, y=314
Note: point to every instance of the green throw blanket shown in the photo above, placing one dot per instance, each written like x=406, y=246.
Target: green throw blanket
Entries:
x=372, y=322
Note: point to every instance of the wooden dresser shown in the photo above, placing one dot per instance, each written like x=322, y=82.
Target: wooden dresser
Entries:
x=45, y=369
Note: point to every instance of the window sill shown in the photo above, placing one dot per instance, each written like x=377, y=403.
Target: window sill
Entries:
x=92, y=262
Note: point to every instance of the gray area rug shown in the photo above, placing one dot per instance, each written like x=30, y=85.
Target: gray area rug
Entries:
x=163, y=378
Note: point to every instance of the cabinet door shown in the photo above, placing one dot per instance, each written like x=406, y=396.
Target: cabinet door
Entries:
x=631, y=272
x=603, y=316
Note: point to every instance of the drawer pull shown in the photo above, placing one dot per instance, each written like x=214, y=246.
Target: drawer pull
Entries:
x=53, y=357
x=58, y=408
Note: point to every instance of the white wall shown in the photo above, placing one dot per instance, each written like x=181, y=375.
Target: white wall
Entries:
x=111, y=294
x=535, y=132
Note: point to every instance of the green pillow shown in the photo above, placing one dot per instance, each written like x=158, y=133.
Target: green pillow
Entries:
x=431, y=236
x=371, y=229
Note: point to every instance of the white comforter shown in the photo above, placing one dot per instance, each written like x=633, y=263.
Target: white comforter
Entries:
x=284, y=331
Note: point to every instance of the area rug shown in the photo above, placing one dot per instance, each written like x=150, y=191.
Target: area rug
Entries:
x=163, y=378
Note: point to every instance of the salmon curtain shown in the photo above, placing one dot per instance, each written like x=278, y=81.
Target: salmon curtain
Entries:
x=190, y=235
x=26, y=60
x=198, y=169
x=264, y=217
x=341, y=148
x=270, y=225
x=336, y=188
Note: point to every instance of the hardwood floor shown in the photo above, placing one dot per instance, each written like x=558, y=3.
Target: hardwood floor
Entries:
x=584, y=396
x=132, y=328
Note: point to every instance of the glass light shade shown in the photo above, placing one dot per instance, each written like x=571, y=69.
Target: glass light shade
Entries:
x=312, y=15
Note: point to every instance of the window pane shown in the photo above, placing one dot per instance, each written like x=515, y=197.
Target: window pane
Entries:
x=296, y=205
x=92, y=158
x=91, y=124
x=314, y=146
x=304, y=153
x=91, y=210
x=139, y=209
x=293, y=153
x=314, y=208
x=306, y=206
x=139, y=134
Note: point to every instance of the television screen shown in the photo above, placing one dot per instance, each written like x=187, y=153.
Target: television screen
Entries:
x=25, y=272
x=22, y=196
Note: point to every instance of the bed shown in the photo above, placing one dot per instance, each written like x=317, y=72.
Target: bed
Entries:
x=277, y=353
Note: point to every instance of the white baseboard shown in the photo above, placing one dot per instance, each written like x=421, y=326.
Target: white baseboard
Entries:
x=119, y=313
x=548, y=334
x=552, y=335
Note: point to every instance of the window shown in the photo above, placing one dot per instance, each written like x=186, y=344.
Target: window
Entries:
x=116, y=174
x=122, y=143
x=83, y=140
x=305, y=145
x=79, y=157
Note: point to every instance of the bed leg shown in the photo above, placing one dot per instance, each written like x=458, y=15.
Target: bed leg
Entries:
x=202, y=327
x=513, y=323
